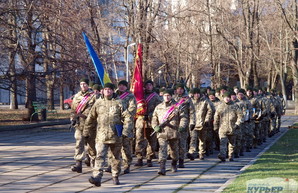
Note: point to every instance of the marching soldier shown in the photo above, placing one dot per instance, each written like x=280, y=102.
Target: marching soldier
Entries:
x=227, y=119
x=145, y=142
x=190, y=111
x=204, y=114
x=214, y=103
x=81, y=105
x=168, y=119
x=106, y=116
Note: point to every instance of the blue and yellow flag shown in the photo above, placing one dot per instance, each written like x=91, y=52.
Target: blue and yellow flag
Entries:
x=103, y=76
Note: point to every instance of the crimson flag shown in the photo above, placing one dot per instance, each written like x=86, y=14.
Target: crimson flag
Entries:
x=137, y=82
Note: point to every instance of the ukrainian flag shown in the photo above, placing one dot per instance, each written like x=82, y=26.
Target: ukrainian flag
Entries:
x=103, y=76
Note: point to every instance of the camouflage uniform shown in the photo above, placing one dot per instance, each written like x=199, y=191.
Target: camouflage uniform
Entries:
x=105, y=115
x=145, y=142
x=279, y=110
x=227, y=118
x=245, y=130
x=79, y=126
x=169, y=134
x=190, y=111
x=255, y=106
x=214, y=105
x=204, y=114
x=269, y=120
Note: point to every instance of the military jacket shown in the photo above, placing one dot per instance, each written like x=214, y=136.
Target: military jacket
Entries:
x=130, y=108
x=203, y=111
x=189, y=107
x=151, y=106
x=105, y=115
x=246, y=109
x=226, y=117
x=86, y=108
x=170, y=131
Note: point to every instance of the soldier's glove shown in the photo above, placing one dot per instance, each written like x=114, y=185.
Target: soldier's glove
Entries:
x=157, y=129
x=73, y=122
x=181, y=129
x=191, y=127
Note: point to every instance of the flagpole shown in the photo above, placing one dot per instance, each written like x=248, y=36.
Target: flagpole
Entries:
x=127, y=70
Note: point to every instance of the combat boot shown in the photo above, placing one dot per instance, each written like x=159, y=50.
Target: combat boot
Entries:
x=87, y=161
x=162, y=170
x=222, y=158
x=116, y=181
x=191, y=156
x=77, y=167
x=231, y=159
x=149, y=163
x=181, y=163
x=201, y=156
x=108, y=169
x=174, y=165
x=126, y=170
x=139, y=162
x=95, y=181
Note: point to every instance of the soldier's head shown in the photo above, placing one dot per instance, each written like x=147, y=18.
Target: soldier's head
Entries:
x=236, y=89
x=196, y=93
x=179, y=88
x=249, y=92
x=273, y=92
x=241, y=94
x=167, y=95
x=108, y=89
x=122, y=85
x=149, y=85
x=227, y=97
x=84, y=84
x=260, y=91
x=255, y=91
x=212, y=95
x=96, y=88
x=223, y=89
x=233, y=96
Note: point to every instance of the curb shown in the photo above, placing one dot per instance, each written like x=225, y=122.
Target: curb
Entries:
x=230, y=181
x=34, y=125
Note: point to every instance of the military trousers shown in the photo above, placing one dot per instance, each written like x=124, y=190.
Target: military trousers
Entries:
x=183, y=144
x=198, y=141
x=80, y=145
x=100, y=159
x=145, y=143
x=164, y=144
x=226, y=142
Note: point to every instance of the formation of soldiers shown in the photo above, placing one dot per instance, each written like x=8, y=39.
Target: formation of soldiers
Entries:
x=177, y=124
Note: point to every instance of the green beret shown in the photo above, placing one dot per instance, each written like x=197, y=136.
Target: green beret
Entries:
x=212, y=92
x=233, y=93
x=179, y=85
x=227, y=94
x=203, y=90
x=86, y=80
x=241, y=90
x=109, y=85
x=168, y=91
x=96, y=87
x=123, y=82
x=91, y=83
x=195, y=91
x=149, y=82
x=223, y=87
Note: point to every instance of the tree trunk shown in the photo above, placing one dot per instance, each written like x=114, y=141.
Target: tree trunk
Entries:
x=61, y=96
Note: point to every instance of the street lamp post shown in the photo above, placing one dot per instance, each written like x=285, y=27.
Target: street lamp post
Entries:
x=127, y=70
x=159, y=72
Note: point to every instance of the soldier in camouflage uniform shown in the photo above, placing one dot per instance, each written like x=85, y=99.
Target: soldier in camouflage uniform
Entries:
x=245, y=127
x=130, y=107
x=204, y=114
x=270, y=120
x=168, y=120
x=214, y=103
x=81, y=105
x=107, y=117
x=227, y=119
x=145, y=142
x=278, y=109
x=190, y=110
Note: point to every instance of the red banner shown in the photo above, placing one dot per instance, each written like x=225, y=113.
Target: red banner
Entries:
x=137, y=82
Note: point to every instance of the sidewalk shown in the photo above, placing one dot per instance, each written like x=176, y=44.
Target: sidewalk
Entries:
x=39, y=160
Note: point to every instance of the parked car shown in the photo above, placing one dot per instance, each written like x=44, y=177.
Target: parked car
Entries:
x=67, y=102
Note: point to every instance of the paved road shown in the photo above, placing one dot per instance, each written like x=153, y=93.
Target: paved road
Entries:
x=39, y=160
